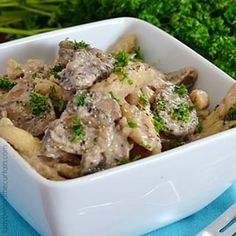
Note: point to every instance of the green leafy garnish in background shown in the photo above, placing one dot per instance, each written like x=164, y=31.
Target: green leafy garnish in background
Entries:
x=209, y=27
x=121, y=60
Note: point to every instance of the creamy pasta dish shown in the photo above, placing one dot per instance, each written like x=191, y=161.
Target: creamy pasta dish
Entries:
x=92, y=110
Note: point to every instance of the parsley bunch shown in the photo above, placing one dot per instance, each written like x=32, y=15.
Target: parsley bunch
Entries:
x=209, y=27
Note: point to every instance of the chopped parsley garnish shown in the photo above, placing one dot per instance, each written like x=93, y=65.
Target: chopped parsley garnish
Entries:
x=56, y=69
x=122, y=60
x=130, y=82
x=136, y=157
x=158, y=123
x=37, y=103
x=125, y=161
x=77, y=129
x=191, y=107
x=58, y=104
x=138, y=55
x=6, y=84
x=132, y=124
x=181, y=113
x=123, y=74
x=231, y=115
x=181, y=90
x=113, y=96
x=143, y=100
x=34, y=75
x=80, y=44
x=146, y=145
x=199, y=128
x=160, y=104
x=80, y=99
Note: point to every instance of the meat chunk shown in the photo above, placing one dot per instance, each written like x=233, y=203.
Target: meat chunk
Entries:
x=87, y=66
x=175, y=112
x=28, y=70
x=14, y=69
x=95, y=108
x=101, y=143
x=175, y=117
x=186, y=76
x=66, y=52
x=16, y=105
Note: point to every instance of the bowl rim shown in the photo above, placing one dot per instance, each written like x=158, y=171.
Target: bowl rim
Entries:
x=147, y=160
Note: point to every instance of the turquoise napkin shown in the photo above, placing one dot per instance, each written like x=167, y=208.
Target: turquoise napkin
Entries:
x=16, y=226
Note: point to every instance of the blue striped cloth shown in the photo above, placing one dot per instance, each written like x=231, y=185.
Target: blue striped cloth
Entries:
x=16, y=226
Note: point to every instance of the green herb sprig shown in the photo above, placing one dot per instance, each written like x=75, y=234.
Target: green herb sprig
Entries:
x=78, y=129
x=121, y=60
x=231, y=115
x=138, y=55
x=55, y=70
x=158, y=123
x=143, y=100
x=181, y=90
x=114, y=97
x=79, y=44
x=37, y=103
x=181, y=113
x=6, y=84
x=132, y=124
x=161, y=105
x=80, y=99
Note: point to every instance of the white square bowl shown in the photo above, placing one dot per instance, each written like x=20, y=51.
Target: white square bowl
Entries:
x=134, y=198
